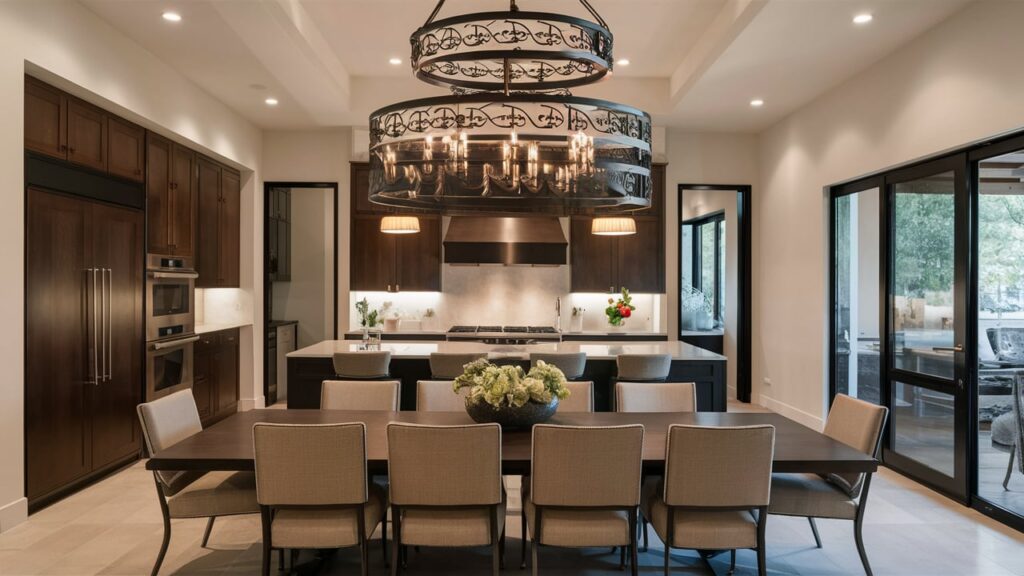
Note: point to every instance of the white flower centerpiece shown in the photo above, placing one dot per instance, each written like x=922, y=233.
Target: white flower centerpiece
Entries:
x=509, y=395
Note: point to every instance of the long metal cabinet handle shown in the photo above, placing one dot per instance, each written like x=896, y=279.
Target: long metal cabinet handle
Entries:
x=95, y=331
x=173, y=343
x=110, y=326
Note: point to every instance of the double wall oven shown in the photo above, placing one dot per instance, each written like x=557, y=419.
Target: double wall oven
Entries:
x=170, y=325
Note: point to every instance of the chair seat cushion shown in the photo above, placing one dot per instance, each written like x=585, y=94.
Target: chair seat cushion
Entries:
x=1002, y=431
x=579, y=528
x=809, y=495
x=449, y=527
x=216, y=494
x=704, y=530
x=297, y=528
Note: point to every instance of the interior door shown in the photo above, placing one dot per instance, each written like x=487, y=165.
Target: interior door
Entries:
x=118, y=252
x=927, y=281
x=58, y=338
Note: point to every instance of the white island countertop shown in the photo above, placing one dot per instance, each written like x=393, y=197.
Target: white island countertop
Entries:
x=595, y=350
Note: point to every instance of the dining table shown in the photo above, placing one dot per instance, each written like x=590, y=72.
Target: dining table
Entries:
x=228, y=445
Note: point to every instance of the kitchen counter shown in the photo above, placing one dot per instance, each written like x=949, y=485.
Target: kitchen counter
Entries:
x=608, y=336
x=207, y=328
x=410, y=361
x=277, y=323
x=417, y=335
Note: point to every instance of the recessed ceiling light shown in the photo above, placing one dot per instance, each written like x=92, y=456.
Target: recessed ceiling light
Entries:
x=622, y=61
x=863, y=18
x=171, y=16
x=757, y=102
x=271, y=101
x=395, y=61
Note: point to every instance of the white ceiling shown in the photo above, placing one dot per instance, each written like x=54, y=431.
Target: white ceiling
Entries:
x=694, y=63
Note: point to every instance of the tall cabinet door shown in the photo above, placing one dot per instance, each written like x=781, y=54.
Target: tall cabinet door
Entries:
x=45, y=119
x=183, y=201
x=87, y=135
x=373, y=256
x=207, y=252
x=418, y=265
x=230, y=229
x=58, y=339
x=158, y=190
x=640, y=259
x=118, y=252
x=593, y=258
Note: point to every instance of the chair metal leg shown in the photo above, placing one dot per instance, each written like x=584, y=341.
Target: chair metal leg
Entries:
x=814, y=529
x=396, y=540
x=384, y=539
x=209, y=528
x=670, y=536
x=1009, y=469
x=294, y=558
x=644, y=523
x=495, y=542
x=280, y=559
x=522, y=534
x=501, y=549
x=732, y=561
x=859, y=538
x=533, y=552
x=622, y=557
x=265, y=522
x=166, y=542
x=762, y=523
x=635, y=569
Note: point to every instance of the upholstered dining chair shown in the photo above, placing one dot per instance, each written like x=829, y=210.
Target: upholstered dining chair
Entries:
x=448, y=366
x=655, y=397
x=715, y=492
x=446, y=488
x=643, y=367
x=165, y=422
x=584, y=488
x=361, y=395
x=311, y=484
x=858, y=424
x=572, y=364
x=438, y=396
x=362, y=365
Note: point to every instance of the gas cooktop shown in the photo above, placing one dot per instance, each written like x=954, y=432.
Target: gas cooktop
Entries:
x=504, y=334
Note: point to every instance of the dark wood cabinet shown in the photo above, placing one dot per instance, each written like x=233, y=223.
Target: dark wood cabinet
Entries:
x=215, y=375
x=80, y=322
x=395, y=262
x=611, y=263
x=45, y=119
x=126, y=149
x=279, y=234
x=360, y=185
x=219, y=225
x=171, y=197
x=87, y=135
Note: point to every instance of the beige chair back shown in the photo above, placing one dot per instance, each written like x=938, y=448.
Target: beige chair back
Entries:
x=643, y=367
x=444, y=465
x=438, y=396
x=581, y=397
x=655, y=397
x=586, y=466
x=571, y=364
x=719, y=467
x=448, y=366
x=859, y=425
x=309, y=465
x=165, y=422
x=361, y=395
x=362, y=364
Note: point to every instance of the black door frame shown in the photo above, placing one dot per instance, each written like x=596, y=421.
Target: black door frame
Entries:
x=970, y=155
x=744, y=216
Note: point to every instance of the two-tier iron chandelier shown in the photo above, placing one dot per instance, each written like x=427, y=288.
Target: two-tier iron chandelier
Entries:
x=511, y=138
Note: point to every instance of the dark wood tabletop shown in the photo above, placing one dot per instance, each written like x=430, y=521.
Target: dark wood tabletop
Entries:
x=227, y=445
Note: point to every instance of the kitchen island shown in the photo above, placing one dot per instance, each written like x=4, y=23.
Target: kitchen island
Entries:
x=410, y=361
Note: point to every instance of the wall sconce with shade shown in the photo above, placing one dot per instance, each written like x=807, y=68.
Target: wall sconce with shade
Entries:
x=613, y=226
x=400, y=224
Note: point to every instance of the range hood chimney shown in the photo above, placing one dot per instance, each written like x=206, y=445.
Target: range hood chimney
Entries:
x=504, y=240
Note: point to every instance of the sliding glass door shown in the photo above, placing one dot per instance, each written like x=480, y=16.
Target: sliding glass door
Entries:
x=926, y=322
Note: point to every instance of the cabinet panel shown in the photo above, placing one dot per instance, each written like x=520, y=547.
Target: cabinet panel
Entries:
x=87, y=135
x=372, y=256
x=183, y=201
x=640, y=258
x=208, y=230
x=201, y=385
x=419, y=258
x=158, y=181
x=45, y=119
x=284, y=251
x=229, y=241
x=360, y=179
x=658, y=192
x=126, y=149
x=592, y=258
x=226, y=366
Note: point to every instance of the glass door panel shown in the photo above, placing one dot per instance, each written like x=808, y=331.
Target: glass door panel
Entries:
x=927, y=278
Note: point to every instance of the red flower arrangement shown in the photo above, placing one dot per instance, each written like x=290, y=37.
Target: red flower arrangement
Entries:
x=618, y=311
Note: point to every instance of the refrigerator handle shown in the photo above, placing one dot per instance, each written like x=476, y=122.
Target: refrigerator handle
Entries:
x=95, y=330
x=108, y=346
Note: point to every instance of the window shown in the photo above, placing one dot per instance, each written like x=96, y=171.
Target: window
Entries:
x=703, y=264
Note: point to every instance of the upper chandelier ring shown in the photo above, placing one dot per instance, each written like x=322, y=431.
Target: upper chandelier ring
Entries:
x=511, y=51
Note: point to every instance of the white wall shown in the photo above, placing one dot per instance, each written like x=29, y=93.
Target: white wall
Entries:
x=953, y=85
x=698, y=203
x=309, y=296
x=67, y=44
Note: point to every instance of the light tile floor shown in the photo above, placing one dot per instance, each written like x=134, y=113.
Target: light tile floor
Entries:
x=114, y=527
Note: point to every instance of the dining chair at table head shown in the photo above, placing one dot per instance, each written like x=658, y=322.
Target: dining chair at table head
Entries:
x=311, y=484
x=361, y=395
x=446, y=487
x=190, y=494
x=716, y=480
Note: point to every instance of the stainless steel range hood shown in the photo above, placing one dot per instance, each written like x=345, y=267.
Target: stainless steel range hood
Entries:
x=504, y=240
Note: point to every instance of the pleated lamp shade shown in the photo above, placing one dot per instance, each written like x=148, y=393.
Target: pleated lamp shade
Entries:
x=399, y=224
x=613, y=226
